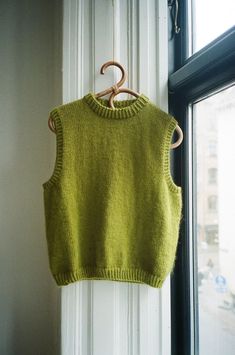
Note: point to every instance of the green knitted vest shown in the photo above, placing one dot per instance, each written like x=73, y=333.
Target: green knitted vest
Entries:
x=112, y=209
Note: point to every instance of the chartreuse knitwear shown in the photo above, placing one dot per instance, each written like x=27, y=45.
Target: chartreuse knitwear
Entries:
x=112, y=209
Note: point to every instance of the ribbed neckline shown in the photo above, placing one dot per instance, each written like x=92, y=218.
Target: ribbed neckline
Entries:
x=123, y=108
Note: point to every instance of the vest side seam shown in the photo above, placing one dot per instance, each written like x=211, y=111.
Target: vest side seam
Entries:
x=59, y=150
x=167, y=156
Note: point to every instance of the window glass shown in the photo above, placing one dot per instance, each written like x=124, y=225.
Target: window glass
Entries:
x=211, y=18
x=212, y=175
x=214, y=133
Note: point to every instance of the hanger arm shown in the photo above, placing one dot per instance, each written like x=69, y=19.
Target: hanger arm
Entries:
x=51, y=124
x=180, y=138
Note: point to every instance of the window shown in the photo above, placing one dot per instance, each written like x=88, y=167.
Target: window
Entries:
x=212, y=203
x=202, y=97
x=211, y=236
x=214, y=240
x=212, y=148
x=210, y=19
x=212, y=176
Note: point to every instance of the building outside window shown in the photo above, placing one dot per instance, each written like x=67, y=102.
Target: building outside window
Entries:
x=212, y=175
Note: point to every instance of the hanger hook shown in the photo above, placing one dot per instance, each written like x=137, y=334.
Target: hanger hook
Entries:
x=118, y=84
x=111, y=62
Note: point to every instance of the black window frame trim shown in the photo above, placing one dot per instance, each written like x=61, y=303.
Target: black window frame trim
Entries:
x=191, y=78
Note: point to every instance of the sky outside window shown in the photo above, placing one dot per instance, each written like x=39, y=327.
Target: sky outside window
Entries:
x=211, y=18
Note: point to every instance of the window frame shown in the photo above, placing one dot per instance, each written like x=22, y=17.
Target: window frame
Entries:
x=191, y=78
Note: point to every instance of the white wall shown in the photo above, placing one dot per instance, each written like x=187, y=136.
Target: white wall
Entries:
x=30, y=85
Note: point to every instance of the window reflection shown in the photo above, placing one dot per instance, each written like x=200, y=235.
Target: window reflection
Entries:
x=214, y=120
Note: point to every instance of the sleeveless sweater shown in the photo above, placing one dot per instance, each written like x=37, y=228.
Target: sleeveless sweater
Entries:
x=112, y=209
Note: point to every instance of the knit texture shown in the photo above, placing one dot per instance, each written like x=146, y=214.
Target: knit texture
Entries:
x=112, y=209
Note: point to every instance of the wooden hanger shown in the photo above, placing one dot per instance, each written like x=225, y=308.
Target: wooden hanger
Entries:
x=115, y=90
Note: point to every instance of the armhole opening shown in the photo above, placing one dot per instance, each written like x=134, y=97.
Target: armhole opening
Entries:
x=167, y=156
x=59, y=149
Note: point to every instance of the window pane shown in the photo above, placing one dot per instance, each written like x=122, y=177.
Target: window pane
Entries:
x=211, y=18
x=214, y=122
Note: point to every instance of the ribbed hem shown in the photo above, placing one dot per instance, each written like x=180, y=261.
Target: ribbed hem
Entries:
x=114, y=274
x=123, y=108
x=166, y=156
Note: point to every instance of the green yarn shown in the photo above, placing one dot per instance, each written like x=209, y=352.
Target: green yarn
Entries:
x=112, y=209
